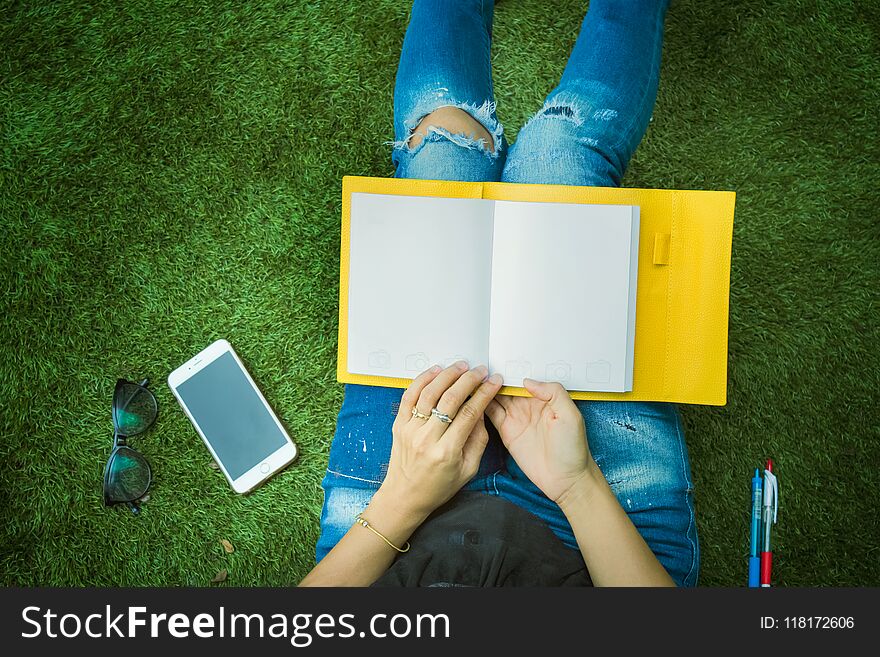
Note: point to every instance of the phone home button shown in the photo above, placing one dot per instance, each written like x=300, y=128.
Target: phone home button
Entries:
x=264, y=468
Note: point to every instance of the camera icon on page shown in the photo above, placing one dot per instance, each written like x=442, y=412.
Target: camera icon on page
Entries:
x=417, y=362
x=379, y=359
x=517, y=369
x=599, y=371
x=559, y=371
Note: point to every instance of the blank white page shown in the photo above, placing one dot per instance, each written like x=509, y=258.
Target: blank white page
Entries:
x=563, y=294
x=419, y=280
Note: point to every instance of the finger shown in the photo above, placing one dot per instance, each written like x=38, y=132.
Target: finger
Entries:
x=552, y=393
x=430, y=394
x=471, y=412
x=456, y=395
x=475, y=445
x=496, y=413
x=411, y=394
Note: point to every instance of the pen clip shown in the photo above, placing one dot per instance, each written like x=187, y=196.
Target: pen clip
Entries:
x=771, y=489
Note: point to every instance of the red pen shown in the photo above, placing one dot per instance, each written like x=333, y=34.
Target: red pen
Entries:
x=771, y=508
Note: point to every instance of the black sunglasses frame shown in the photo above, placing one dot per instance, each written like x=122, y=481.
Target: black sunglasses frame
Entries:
x=120, y=440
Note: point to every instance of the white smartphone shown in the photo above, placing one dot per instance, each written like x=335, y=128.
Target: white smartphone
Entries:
x=231, y=415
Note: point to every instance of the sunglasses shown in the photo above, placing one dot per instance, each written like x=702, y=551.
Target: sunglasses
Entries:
x=127, y=475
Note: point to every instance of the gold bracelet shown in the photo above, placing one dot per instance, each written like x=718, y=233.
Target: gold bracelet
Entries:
x=360, y=520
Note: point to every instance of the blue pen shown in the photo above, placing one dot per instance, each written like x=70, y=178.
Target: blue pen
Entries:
x=754, y=558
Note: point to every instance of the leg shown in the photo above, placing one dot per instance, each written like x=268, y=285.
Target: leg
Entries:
x=593, y=120
x=445, y=126
x=358, y=459
x=442, y=107
x=585, y=135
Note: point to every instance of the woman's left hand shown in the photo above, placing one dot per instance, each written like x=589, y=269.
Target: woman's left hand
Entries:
x=431, y=460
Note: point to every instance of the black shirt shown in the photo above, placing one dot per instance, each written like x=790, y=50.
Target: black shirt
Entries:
x=477, y=539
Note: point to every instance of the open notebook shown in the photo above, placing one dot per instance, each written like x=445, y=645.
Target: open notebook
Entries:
x=680, y=351
x=533, y=289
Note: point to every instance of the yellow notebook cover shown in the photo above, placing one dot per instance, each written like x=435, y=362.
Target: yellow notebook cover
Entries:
x=683, y=290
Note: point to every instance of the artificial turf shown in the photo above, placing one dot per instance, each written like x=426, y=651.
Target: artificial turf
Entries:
x=171, y=174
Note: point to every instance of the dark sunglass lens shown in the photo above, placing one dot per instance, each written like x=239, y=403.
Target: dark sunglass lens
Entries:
x=128, y=476
x=135, y=409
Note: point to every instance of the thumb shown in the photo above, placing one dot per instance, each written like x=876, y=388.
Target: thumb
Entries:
x=552, y=393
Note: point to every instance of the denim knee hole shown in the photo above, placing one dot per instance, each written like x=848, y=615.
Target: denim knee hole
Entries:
x=484, y=114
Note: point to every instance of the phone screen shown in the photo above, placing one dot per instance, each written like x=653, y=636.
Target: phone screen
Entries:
x=231, y=414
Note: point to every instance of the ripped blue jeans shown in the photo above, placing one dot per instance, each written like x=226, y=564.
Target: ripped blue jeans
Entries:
x=585, y=133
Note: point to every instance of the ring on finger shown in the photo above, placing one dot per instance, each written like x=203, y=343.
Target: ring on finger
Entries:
x=421, y=416
x=445, y=419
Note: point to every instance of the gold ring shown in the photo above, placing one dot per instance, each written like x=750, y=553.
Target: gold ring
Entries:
x=421, y=416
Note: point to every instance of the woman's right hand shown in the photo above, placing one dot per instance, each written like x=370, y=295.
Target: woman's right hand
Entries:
x=431, y=461
x=545, y=435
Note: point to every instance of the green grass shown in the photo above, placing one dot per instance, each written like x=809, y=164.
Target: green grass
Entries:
x=171, y=174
